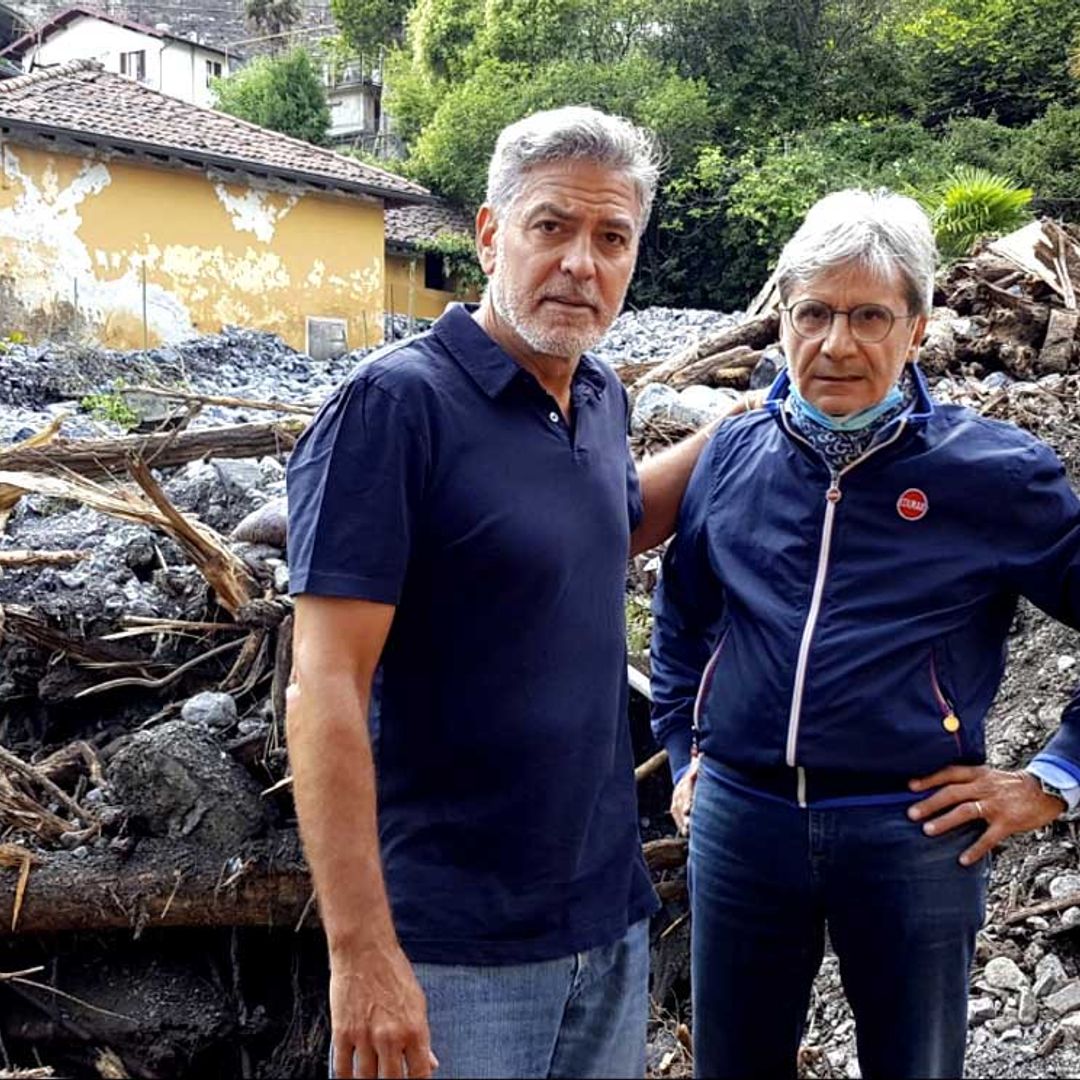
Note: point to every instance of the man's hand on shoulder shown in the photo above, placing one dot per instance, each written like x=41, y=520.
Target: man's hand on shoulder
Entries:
x=378, y=1015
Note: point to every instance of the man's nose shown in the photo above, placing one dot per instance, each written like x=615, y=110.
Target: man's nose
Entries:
x=578, y=259
x=839, y=341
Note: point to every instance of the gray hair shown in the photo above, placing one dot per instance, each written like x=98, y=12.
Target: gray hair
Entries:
x=880, y=231
x=573, y=133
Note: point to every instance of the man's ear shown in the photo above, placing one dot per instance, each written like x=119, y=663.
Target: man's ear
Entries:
x=486, y=228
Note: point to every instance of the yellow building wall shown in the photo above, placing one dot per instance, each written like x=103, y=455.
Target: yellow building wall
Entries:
x=405, y=292
x=134, y=255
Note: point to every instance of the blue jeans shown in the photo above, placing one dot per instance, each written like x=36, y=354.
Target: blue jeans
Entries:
x=581, y=1015
x=902, y=913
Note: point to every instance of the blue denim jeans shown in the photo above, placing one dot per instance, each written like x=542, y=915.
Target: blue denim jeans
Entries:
x=767, y=877
x=581, y=1015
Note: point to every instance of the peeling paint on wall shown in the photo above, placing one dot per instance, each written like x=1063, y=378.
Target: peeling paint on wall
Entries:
x=254, y=211
x=114, y=239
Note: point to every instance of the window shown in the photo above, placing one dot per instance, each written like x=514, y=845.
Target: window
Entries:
x=434, y=271
x=213, y=71
x=133, y=65
x=326, y=338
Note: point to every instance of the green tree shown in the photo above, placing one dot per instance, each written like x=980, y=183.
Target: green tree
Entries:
x=283, y=93
x=272, y=16
x=441, y=33
x=1046, y=155
x=1006, y=58
x=367, y=24
x=778, y=65
x=452, y=153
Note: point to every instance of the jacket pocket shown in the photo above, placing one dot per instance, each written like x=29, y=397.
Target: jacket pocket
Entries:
x=705, y=685
x=949, y=720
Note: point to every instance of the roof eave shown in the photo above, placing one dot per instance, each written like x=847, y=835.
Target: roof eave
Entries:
x=388, y=196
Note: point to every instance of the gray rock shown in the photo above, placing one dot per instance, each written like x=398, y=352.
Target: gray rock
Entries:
x=1004, y=974
x=1066, y=1000
x=654, y=401
x=1049, y=975
x=238, y=477
x=176, y=782
x=269, y=523
x=1028, y=1009
x=1065, y=662
x=980, y=1010
x=767, y=368
x=281, y=578
x=211, y=709
x=1064, y=885
x=1071, y=917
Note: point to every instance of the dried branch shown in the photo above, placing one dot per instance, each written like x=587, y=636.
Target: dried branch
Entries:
x=29, y=772
x=19, y=559
x=226, y=573
x=228, y=402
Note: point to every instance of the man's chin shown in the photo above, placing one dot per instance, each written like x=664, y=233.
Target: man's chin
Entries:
x=559, y=342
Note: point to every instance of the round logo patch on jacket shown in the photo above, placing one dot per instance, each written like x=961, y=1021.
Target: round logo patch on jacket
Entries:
x=912, y=504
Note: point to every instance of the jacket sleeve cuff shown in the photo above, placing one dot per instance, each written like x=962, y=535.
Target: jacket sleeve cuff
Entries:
x=1062, y=774
x=679, y=746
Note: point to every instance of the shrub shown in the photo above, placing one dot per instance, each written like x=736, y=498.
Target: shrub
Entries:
x=972, y=203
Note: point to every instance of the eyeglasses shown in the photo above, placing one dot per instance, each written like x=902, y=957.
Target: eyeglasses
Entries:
x=869, y=323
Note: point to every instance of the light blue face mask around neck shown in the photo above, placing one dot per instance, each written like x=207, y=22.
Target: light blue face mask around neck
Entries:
x=857, y=421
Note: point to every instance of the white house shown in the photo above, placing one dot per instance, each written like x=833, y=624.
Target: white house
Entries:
x=172, y=65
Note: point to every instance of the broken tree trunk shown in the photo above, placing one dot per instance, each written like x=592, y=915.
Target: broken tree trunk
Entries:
x=102, y=458
x=756, y=333
x=731, y=368
x=163, y=883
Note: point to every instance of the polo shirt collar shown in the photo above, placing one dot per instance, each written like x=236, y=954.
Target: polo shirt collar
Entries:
x=486, y=363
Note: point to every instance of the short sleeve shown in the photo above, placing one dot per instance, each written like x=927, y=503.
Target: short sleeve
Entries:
x=355, y=483
x=635, y=507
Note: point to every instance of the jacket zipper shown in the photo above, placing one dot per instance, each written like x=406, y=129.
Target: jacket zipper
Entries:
x=706, y=682
x=832, y=498
x=949, y=720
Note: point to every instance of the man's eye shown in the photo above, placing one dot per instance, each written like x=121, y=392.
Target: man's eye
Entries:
x=548, y=226
x=616, y=239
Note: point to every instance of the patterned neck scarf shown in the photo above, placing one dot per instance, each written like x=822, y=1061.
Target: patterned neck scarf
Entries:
x=841, y=448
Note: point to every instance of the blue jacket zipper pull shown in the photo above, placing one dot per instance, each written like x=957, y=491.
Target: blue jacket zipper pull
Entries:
x=834, y=494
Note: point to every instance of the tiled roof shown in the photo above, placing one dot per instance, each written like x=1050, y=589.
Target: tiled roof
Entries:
x=414, y=224
x=77, y=11
x=82, y=100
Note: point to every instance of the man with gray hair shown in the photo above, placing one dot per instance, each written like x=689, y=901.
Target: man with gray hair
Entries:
x=461, y=513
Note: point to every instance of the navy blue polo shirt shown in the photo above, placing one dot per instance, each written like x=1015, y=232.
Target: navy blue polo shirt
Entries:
x=441, y=478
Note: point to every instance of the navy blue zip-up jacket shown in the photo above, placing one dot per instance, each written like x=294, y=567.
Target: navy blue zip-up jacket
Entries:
x=857, y=623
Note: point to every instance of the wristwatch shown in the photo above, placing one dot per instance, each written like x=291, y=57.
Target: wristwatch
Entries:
x=1052, y=789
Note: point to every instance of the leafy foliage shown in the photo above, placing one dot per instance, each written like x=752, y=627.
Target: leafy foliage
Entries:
x=762, y=105
x=1007, y=58
x=452, y=152
x=367, y=24
x=272, y=16
x=459, y=260
x=111, y=405
x=972, y=203
x=283, y=93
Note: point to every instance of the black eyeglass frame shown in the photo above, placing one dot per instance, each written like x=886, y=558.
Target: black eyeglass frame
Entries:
x=788, y=309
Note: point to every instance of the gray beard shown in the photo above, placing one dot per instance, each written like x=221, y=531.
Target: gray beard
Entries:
x=540, y=338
